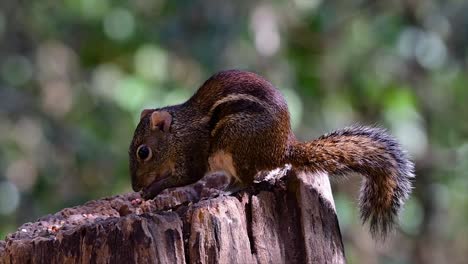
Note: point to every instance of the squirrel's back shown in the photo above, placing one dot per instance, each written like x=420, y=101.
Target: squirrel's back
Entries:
x=247, y=119
x=237, y=85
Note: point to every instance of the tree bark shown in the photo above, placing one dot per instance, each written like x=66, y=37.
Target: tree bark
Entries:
x=292, y=221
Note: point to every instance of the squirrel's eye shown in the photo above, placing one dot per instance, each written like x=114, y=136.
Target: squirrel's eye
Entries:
x=143, y=152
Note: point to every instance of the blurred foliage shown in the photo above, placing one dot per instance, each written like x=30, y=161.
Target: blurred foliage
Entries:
x=74, y=77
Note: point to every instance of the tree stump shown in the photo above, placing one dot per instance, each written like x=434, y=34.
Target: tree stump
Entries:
x=292, y=221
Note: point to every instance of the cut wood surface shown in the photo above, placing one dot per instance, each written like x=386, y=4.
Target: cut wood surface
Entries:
x=293, y=221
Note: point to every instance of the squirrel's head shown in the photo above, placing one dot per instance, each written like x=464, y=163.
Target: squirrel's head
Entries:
x=149, y=150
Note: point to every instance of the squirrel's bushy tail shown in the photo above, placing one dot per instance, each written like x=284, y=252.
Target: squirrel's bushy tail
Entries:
x=372, y=153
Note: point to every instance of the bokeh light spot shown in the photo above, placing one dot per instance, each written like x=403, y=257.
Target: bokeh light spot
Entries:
x=57, y=98
x=119, y=24
x=265, y=28
x=338, y=111
x=93, y=9
x=105, y=79
x=131, y=93
x=28, y=134
x=411, y=217
x=9, y=197
x=22, y=173
x=16, y=70
x=295, y=106
x=307, y=4
x=407, y=41
x=151, y=62
x=55, y=60
x=431, y=51
x=427, y=47
x=405, y=121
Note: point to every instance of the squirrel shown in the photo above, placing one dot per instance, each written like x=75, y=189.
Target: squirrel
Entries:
x=238, y=123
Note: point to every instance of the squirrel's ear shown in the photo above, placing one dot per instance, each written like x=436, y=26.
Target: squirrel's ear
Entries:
x=145, y=112
x=161, y=120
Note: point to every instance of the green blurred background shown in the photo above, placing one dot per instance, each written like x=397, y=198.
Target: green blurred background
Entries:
x=74, y=77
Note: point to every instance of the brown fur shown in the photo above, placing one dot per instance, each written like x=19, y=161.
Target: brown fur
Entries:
x=239, y=123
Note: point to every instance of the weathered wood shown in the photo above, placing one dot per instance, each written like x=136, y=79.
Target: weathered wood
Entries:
x=291, y=222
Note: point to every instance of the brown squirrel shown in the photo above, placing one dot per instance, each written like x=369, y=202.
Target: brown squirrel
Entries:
x=238, y=123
